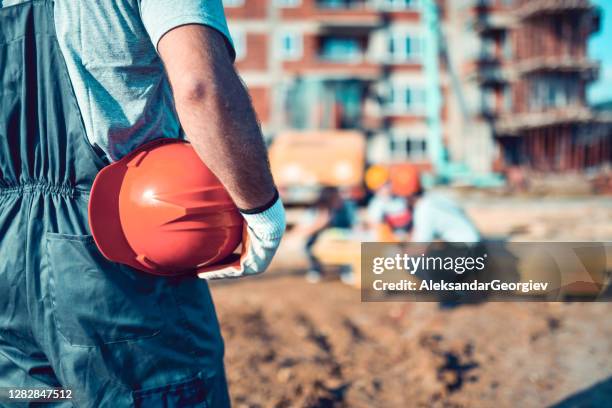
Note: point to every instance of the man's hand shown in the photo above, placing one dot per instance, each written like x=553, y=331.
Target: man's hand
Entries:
x=262, y=235
x=216, y=114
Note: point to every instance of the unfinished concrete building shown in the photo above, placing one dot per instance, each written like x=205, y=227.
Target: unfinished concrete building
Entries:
x=525, y=72
x=553, y=129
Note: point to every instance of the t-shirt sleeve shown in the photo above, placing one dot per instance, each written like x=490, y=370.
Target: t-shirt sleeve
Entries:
x=161, y=16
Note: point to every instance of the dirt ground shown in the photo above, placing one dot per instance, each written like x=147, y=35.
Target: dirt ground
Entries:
x=294, y=344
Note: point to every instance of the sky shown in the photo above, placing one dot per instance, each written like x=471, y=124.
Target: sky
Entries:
x=600, y=48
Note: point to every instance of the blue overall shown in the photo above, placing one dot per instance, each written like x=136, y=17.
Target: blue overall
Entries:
x=69, y=318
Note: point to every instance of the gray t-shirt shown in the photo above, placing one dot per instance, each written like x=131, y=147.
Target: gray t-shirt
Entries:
x=118, y=78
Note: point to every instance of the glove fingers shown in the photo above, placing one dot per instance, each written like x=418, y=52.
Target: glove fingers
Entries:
x=232, y=262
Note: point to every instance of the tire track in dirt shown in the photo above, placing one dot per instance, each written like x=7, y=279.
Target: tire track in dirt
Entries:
x=333, y=388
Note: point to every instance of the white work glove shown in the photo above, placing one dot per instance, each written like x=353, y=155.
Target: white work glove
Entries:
x=262, y=235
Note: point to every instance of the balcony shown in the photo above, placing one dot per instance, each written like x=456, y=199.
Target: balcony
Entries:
x=346, y=15
x=514, y=124
x=587, y=69
x=535, y=8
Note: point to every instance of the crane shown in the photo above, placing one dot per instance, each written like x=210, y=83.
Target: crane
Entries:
x=436, y=50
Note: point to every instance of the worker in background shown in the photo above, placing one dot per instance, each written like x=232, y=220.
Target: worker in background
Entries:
x=331, y=210
x=82, y=84
x=401, y=207
x=427, y=216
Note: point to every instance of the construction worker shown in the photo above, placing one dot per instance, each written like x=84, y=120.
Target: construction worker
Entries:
x=412, y=214
x=424, y=217
x=82, y=84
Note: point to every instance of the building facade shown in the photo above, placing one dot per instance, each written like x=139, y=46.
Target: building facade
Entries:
x=512, y=75
x=526, y=72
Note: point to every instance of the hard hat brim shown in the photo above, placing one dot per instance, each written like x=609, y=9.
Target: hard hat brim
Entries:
x=104, y=220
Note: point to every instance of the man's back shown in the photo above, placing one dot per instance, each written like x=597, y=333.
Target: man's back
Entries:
x=117, y=76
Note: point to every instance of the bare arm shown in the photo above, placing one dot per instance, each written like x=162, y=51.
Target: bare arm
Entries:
x=216, y=114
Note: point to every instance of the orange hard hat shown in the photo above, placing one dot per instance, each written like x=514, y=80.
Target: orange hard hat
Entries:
x=405, y=180
x=161, y=210
x=376, y=176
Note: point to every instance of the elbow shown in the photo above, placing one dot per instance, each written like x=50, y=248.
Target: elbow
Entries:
x=193, y=89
